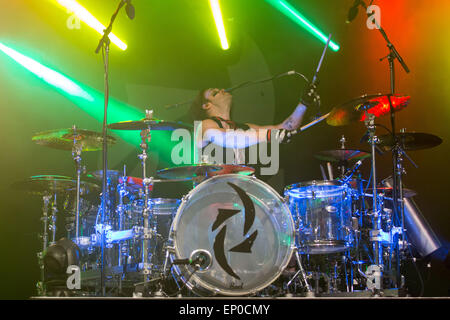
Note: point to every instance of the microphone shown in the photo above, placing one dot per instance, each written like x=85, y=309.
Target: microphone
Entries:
x=353, y=11
x=348, y=174
x=129, y=9
x=199, y=259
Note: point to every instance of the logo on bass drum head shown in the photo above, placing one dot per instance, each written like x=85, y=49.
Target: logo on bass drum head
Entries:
x=243, y=247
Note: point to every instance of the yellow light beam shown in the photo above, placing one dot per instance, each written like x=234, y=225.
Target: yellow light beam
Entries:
x=90, y=20
x=217, y=14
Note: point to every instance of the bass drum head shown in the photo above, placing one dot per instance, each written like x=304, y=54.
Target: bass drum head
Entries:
x=244, y=225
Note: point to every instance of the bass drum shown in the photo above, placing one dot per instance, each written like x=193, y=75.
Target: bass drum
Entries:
x=240, y=227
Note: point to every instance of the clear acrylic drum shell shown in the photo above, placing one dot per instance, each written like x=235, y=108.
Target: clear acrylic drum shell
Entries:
x=323, y=213
x=271, y=250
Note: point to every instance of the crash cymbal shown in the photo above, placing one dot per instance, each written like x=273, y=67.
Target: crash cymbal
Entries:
x=49, y=184
x=203, y=170
x=65, y=139
x=152, y=124
x=387, y=191
x=354, y=110
x=410, y=141
x=340, y=155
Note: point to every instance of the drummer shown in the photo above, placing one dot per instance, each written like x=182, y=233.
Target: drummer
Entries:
x=213, y=106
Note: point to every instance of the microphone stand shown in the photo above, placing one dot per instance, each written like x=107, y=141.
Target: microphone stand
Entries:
x=396, y=150
x=104, y=44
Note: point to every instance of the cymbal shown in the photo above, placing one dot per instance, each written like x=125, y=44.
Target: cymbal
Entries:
x=203, y=170
x=64, y=139
x=339, y=155
x=98, y=175
x=410, y=141
x=45, y=184
x=387, y=191
x=354, y=110
x=152, y=124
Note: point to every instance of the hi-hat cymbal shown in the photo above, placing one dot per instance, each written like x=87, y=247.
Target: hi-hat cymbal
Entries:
x=113, y=175
x=354, y=110
x=387, y=191
x=203, y=170
x=50, y=184
x=152, y=124
x=410, y=141
x=339, y=155
x=66, y=139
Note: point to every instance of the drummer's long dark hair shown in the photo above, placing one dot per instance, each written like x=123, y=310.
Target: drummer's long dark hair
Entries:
x=197, y=111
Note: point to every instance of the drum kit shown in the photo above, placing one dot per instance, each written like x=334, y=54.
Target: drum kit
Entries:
x=231, y=234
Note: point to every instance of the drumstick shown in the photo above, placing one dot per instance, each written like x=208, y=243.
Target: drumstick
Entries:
x=330, y=170
x=324, y=176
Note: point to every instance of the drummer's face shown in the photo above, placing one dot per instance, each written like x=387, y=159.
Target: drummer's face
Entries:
x=218, y=97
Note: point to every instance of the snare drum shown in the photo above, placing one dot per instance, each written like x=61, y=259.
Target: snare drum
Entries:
x=242, y=226
x=322, y=211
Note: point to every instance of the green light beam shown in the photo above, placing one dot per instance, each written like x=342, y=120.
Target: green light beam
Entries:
x=50, y=76
x=301, y=20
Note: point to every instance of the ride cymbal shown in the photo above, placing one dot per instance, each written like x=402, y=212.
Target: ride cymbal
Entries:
x=410, y=141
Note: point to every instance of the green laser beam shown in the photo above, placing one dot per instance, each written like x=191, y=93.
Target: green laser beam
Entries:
x=302, y=21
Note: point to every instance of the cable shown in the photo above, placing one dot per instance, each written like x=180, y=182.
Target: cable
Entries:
x=246, y=84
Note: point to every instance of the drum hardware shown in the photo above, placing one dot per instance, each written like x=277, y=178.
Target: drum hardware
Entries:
x=77, y=141
x=376, y=216
x=76, y=154
x=301, y=272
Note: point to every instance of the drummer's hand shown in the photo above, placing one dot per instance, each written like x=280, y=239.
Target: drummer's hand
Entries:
x=310, y=96
x=283, y=136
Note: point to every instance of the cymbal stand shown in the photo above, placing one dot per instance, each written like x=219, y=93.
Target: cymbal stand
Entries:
x=147, y=231
x=375, y=279
x=46, y=200
x=344, y=163
x=397, y=177
x=53, y=219
x=122, y=190
x=76, y=155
